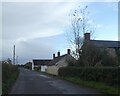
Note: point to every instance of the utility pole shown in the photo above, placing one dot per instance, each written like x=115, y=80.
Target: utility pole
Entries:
x=14, y=55
x=17, y=60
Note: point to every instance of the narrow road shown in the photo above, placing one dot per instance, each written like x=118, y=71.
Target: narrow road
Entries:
x=30, y=82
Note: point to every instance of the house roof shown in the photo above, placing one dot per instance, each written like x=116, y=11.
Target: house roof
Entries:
x=48, y=62
x=56, y=59
x=41, y=61
x=109, y=44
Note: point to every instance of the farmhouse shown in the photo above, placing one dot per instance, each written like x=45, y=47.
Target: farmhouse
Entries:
x=51, y=66
x=112, y=46
x=59, y=61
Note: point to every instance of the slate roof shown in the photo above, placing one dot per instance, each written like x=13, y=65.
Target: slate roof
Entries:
x=48, y=62
x=104, y=43
x=41, y=61
x=56, y=59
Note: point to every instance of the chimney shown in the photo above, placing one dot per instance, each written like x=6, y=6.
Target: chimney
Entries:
x=53, y=56
x=87, y=36
x=58, y=54
x=68, y=51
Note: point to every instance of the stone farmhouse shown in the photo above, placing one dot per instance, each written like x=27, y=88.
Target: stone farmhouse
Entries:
x=51, y=66
x=112, y=46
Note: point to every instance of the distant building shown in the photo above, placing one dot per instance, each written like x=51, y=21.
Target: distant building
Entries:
x=28, y=65
x=40, y=64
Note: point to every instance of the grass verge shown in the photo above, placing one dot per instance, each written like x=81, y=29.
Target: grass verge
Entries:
x=92, y=84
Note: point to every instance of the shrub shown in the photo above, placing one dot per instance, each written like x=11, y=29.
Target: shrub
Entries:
x=91, y=55
x=108, y=75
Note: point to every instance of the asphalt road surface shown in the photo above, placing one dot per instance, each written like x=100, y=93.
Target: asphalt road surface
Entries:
x=30, y=82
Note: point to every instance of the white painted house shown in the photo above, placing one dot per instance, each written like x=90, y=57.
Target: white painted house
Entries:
x=40, y=64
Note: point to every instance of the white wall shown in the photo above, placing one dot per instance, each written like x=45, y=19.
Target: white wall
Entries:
x=32, y=65
x=43, y=68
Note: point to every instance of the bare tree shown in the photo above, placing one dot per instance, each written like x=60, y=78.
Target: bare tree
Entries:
x=80, y=25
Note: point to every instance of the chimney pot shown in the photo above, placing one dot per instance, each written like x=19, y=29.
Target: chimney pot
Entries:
x=87, y=36
x=68, y=51
x=53, y=56
x=58, y=54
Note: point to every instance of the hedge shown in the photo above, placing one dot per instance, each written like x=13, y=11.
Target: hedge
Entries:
x=9, y=75
x=108, y=75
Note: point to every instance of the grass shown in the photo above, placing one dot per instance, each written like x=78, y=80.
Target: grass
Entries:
x=92, y=84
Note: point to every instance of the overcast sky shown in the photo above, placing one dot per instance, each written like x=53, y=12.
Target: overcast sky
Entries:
x=38, y=29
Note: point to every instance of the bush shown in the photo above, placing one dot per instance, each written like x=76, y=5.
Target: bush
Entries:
x=92, y=55
x=9, y=75
x=108, y=75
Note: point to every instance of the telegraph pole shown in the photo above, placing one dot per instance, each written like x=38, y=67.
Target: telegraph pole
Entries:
x=17, y=60
x=14, y=55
